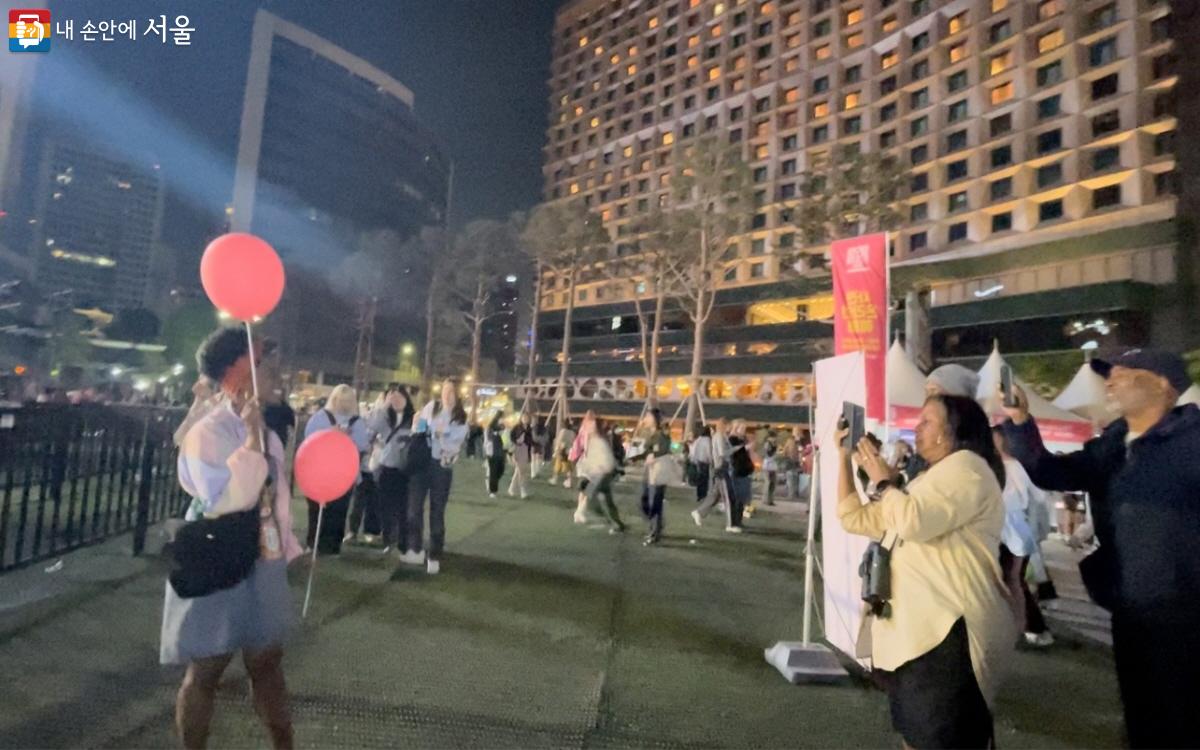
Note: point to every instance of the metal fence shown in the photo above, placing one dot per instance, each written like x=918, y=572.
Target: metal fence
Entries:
x=71, y=476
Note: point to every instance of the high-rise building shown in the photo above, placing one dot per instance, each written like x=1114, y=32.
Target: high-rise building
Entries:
x=329, y=148
x=1038, y=138
x=97, y=221
x=16, y=90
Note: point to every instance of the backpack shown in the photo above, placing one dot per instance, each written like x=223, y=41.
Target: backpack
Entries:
x=740, y=462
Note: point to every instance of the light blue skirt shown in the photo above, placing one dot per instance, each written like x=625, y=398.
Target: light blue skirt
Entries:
x=255, y=614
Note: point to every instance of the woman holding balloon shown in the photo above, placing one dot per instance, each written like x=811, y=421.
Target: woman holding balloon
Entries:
x=445, y=421
x=340, y=413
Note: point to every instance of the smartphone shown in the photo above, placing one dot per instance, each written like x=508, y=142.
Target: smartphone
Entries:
x=1006, y=386
x=854, y=417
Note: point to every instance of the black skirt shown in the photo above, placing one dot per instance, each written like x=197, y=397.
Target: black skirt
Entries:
x=935, y=698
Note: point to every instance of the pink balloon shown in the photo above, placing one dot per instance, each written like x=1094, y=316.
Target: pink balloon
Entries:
x=242, y=275
x=326, y=466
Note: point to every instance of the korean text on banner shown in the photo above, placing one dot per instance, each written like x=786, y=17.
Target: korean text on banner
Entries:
x=860, y=309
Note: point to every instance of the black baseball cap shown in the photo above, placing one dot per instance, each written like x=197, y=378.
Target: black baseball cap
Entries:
x=1166, y=364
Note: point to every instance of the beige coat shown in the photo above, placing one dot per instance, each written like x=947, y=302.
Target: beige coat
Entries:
x=945, y=566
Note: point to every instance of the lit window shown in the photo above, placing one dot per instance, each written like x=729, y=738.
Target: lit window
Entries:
x=824, y=52
x=821, y=109
x=855, y=40
x=1049, y=9
x=1002, y=93
x=890, y=24
x=958, y=53
x=632, y=50
x=595, y=121
x=631, y=70
x=615, y=59
x=693, y=61
x=714, y=73
x=583, y=41
x=791, y=96
x=718, y=9
x=668, y=139
x=854, y=16
x=999, y=5
x=574, y=188
x=852, y=100
x=653, y=22
x=1000, y=63
x=1051, y=41
x=889, y=59
x=578, y=111
x=716, y=31
x=627, y=151
x=958, y=23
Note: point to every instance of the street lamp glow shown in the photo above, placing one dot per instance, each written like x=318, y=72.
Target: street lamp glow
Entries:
x=177, y=369
x=141, y=385
x=511, y=278
x=407, y=350
x=162, y=380
x=116, y=372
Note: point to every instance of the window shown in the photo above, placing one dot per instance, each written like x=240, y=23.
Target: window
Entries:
x=787, y=190
x=789, y=143
x=731, y=273
x=820, y=134
x=1049, y=141
x=820, y=109
x=918, y=212
x=957, y=202
x=919, y=126
x=822, y=27
x=1002, y=222
x=920, y=7
x=1002, y=93
x=957, y=23
x=1051, y=174
x=958, y=53
x=920, y=99
x=999, y=5
x=920, y=70
x=1000, y=31
x=888, y=139
x=920, y=41
x=759, y=221
x=1103, y=52
x=1049, y=9
x=918, y=154
x=957, y=111
x=889, y=24
x=1106, y=196
x=1050, y=74
x=1106, y=123
x=853, y=16
x=788, y=167
x=1050, y=41
x=888, y=112
x=888, y=85
x=821, y=85
x=919, y=183
x=1163, y=66
x=851, y=100
x=853, y=74
x=1167, y=183
x=1001, y=157
x=918, y=241
x=760, y=174
x=1049, y=107
x=889, y=59
x=958, y=232
x=957, y=81
x=956, y=170
x=824, y=52
x=1160, y=29
x=1050, y=210
x=1000, y=125
x=1102, y=18
x=855, y=40
x=852, y=126
x=1106, y=158
x=956, y=141
x=1164, y=143
x=788, y=239
x=1000, y=189
x=1106, y=86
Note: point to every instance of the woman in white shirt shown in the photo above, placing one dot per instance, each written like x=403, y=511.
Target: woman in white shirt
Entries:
x=1019, y=544
x=445, y=421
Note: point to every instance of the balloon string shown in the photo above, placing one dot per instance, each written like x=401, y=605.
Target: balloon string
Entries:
x=262, y=434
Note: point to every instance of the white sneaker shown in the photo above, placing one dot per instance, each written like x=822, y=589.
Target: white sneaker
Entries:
x=524, y=494
x=720, y=507
x=492, y=495
x=511, y=493
x=567, y=483
x=580, y=519
x=1040, y=640
x=733, y=529
x=413, y=558
x=432, y=567
x=697, y=518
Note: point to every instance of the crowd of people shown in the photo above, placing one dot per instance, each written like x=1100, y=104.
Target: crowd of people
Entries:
x=956, y=527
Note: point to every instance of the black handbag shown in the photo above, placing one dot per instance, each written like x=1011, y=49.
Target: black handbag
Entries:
x=876, y=573
x=213, y=554
x=414, y=453
x=1099, y=573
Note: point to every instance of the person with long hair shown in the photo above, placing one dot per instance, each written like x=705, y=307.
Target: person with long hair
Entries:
x=493, y=452
x=942, y=638
x=598, y=465
x=587, y=427
x=340, y=413
x=523, y=449
x=445, y=421
x=226, y=468
x=392, y=420
x=657, y=447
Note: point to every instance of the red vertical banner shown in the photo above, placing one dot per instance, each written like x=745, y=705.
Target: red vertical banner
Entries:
x=860, y=309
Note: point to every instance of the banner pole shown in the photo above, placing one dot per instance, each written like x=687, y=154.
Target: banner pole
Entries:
x=813, y=510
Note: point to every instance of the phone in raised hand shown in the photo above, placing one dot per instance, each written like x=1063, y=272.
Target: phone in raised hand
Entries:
x=1006, y=386
x=854, y=417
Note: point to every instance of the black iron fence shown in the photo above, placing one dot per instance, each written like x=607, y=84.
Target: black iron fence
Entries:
x=75, y=475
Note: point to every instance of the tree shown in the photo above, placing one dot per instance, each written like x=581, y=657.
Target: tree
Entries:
x=565, y=238
x=185, y=328
x=135, y=324
x=482, y=247
x=856, y=194
x=711, y=204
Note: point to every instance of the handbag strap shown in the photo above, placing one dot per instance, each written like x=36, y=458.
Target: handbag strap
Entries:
x=883, y=540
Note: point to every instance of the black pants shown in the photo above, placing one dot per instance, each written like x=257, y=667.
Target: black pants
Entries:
x=1158, y=659
x=600, y=499
x=364, y=508
x=702, y=478
x=1014, y=569
x=495, y=471
x=652, y=507
x=393, y=506
x=433, y=483
x=333, y=525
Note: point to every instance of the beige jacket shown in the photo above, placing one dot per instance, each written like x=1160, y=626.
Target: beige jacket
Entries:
x=945, y=566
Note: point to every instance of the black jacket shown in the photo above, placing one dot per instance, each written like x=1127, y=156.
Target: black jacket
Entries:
x=1145, y=502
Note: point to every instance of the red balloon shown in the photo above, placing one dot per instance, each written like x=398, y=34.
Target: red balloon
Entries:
x=242, y=275
x=326, y=466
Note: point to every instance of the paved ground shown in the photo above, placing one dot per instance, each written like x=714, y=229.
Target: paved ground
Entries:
x=537, y=633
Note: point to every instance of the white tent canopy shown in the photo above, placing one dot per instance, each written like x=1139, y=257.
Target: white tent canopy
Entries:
x=1191, y=396
x=1085, y=396
x=988, y=393
x=905, y=382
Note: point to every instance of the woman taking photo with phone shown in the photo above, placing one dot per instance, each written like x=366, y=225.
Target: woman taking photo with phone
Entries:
x=392, y=420
x=942, y=637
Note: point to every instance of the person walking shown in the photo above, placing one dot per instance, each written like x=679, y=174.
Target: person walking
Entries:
x=587, y=427
x=1141, y=476
x=599, y=467
x=539, y=448
x=741, y=472
x=1018, y=544
x=493, y=452
x=341, y=414
x=720, y=488
x=523, y=450
x=701, y=457
x=392, y=419
x=445, y=422
x=942, y=639
x=563, y=440
x=654, y=486
x=227, y=469
x=770, y=467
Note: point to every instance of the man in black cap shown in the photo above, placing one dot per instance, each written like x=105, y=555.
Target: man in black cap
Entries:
x=1143, y=477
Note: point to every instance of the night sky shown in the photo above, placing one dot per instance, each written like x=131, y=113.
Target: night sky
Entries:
x=477, y=69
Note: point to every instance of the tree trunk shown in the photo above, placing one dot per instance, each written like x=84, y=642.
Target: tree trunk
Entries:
x=699, y=318
x=566, y=349
x=659, y=301
x=476, y=350
x=427, y=369
x=533, y=340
